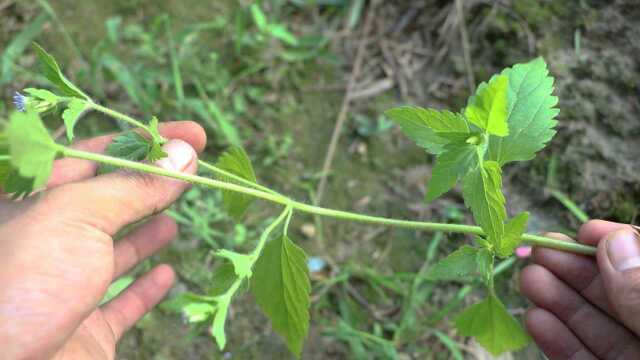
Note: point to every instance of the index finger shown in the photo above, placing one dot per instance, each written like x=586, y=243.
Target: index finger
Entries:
x=594, y=230
x=70, y=170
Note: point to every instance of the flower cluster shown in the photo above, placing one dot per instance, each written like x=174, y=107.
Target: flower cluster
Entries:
x=41, y=102
x=19, y=101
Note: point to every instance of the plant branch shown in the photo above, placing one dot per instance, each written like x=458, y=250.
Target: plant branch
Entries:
x=216, y=170
x=336, y=214
x=118, y=115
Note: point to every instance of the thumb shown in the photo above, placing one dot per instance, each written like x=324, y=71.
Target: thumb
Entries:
x=109, y=202
x=619, y=262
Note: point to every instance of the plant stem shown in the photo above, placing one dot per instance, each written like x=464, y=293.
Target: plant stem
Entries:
x=217, y=170
x=118, y=115
x=204, y=164
x=337, y=214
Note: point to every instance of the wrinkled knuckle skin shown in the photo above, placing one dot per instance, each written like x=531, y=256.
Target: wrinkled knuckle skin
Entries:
x=140, y=180
x=153, y=187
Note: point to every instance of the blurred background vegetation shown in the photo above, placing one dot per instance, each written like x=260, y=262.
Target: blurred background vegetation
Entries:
x=273, y=76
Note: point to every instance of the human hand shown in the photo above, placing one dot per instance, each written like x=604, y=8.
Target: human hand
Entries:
x=58, y=256
x=587, y=308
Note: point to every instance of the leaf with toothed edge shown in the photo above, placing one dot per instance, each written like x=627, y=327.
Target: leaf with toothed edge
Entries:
x=31, y=147
x=492, y=326
x=281, y=287
x=531, y=113
x=236, y=161
x=426, y=127
x=459, y=265
x=129, y=146
x=51, y=70
x=487, y=109
x=75, y=109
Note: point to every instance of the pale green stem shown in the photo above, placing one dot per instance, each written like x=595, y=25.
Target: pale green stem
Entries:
x=210, y=167
x=255, y=254
x=120, y=116
x=337, y=214
x=221, y=172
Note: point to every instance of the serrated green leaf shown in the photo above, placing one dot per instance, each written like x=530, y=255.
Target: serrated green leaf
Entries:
x=459, y=265
x=513, y=231
x=156, y=153
x=51, y=70
x=482, y=192
x=129, y=146
x=236, y=161
x=11, y=181
x=452, y=164
x=241, y=263
x=281, y=287
x=74, y=111
x=31, y=147
x=531, y=113
x=423, y=125
x=492, y=326
x=154, y=130
x=488, y=107
x=17, y=185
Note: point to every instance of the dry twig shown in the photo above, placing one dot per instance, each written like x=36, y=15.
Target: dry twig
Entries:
x=346, y=102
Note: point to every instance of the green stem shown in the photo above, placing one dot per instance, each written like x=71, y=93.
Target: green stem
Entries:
x=120, y=116
x=336, y=214
x=255, y=254
x=204, y=164
x=217, y=170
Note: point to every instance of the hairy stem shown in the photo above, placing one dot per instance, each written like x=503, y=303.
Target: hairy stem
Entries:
x=296, y=205
x=120, y=116
x=221, y=172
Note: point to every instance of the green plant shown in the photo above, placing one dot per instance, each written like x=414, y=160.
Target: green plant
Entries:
x=509, y=119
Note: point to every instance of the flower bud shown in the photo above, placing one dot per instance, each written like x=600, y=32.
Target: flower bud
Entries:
x=38, y=104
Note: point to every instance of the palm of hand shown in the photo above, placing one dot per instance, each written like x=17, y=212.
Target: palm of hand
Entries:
x=59, y=256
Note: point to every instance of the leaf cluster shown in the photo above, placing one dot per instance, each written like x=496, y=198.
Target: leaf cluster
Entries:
x=509, y=118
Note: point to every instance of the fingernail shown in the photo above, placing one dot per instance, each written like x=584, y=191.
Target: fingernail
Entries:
x=179, y=155
x=524, y=252
x=624, y=250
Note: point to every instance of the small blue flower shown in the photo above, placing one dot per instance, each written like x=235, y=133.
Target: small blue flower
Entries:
x=19, y=101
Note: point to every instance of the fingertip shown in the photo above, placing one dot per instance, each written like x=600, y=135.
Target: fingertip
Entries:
x=188, y=131
x=527, y=278
x=559, y=236
x=541, y=253
x=593, y=231
x=164, y=275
